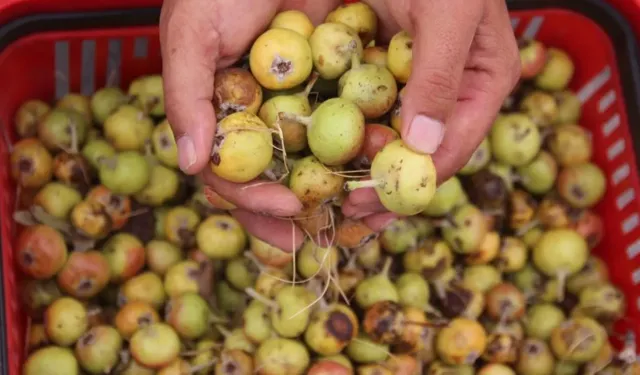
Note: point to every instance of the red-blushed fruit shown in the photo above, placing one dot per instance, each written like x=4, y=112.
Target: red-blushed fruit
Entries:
x=41, y=251
x=376, y=136
x=125, y=254
x=85, y=274
x=31, y=163
x=325, y=367
x=133, y=316
x=533, y=56
x=590, y=226
x=118, y=207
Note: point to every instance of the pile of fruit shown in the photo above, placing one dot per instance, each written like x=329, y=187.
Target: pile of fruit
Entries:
x=134, y=268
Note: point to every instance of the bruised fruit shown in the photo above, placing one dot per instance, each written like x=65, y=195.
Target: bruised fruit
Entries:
x=479, y=159
x=578, y=340
x=541, y=107
x=164, y=144
x=126, y=173
x=31, y=163
x=118, y=207
x=37, y=295
x=51, y=360
x=557, y=72
x=505, y=301
x=234, y=362
x=133, y=316
x=72, y=169
x=535, y=358
x=331, y=329
x=27, y=117
x=582, y=186
x=359, y=16
x=403, y=188
x=602, y=302
x=515, y=139
x=333, y=47
x=467, y=229
x=125, y=254
x=313, y=183
x=293, y=20
x=155, y=345
x=84, y=275
x=242, y=147
x=65, y=320
x=98, y=350
x=280, y=59
x=335, y=131
x=221, y=237
x=461, y=342
x=570, y=145
x=180, y=226
x=235, y=90
x=372, y=88
x=91, y=219
x=400, y=56
x=281, y=356
x=41, y=251
x=148, y=94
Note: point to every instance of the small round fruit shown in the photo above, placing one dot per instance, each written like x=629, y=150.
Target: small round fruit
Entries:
x=146, y=287
x=51, y=360
x=479, y=159
x=515, y=139
x=541, y=107
x=400, y=56
x=293, y=20
x=163, y=186
x=95, y=151
x=128, y=128
x=106, y=101
x=535, y=358
x=27, y=117
x=578, y=340
x=533, y=55
x=557, y=72
x=570, y=145
x=280, y=59
x=221, y=237
x=155, y=346
x=461, y=342
x=125, y=254
x=98, y=350
x=161, y=255
x=330, y=330
x=41, y=251
x=164, y=144
x=126, y=173
x=148, y=94
x=569, y=107
x=281, y=356
x=333, y=46
x=542, y=319
x=359, y=16
x=182, y=278
x=85, y=274
x=467, y=231
x=189, y=315
x=180, y=225
x=65, y=321
x=76, y=102
x=31, y=163
x=61, y=127
x=133, y=316
x=57, y=199
x=539, y=176
x=235, y=90
x=583, y=185
x=375, y=55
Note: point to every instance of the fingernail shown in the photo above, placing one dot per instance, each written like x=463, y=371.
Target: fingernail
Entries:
x=425, y=134
x=186, y=152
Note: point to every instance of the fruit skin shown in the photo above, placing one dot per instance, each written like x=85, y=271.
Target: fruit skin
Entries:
x=235, y=90
x=133, y=316
x=277, y=354
x=376, y=136
x=221, y=237
x=400, y=56
x=155, y=346
x=560, y=250
x=372, y=88
x=51, y=360
x=571, y=145
x=411, y=185
x=280, y=59
x=41, y=251
x=243, y=147
x=126, y=174
x=375, y=55
x=31, y=163
x=85, y=274
x=539, y=176
x=293, y=132
x=333, y=45
x=106, y=101
x=583, y=185
x=293, y=20
x=331, y=330
x=98, y=350
x=65, y=321
x=125, y=254
x=564, y=338
x=311, y=183
x=533, y=56
x=336, y=132
x=164, y=144
x=27, y=117
x=557, y=72
x=359, y=16
x=57, y=199
x=54, y=130
x=461, y=342
x=515, y=139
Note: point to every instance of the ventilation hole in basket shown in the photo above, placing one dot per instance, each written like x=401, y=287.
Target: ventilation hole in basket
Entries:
x=625, y=198
x=606, y=101
x=87, y=83
x=630, y=223
x=611, y=125
x=594, y=85
x=61, y=66
x=633, y=250
x=635, y=276
x=113, y=62
x=515, y=22
x=615, y=149
x=533, y=27
x=140, y=48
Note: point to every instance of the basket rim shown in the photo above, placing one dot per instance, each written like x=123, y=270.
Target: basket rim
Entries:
x=609, y=19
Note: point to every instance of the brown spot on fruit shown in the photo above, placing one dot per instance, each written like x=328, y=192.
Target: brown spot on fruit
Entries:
x=339, y=326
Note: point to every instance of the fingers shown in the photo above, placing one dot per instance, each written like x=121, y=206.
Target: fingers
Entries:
x=380, y=222
x=440, y=49
x=189, y=52
x=281, y=233
x=259, y=196
x=495, y=69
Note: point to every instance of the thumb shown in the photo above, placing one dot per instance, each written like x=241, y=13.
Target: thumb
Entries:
x=440, y=50
x=189, y=52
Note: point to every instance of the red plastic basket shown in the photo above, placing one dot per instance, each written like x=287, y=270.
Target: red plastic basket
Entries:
x=45, y=56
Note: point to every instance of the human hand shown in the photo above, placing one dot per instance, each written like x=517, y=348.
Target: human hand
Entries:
x=465, y=62
x=197, y=37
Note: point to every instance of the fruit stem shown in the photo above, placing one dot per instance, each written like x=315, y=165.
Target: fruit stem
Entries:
x=304, y=120
x=215, y=319
x=562, y=281
x=354, y=185
x=223, y=331
x=355, y=61
x=312, y=81
x=386, y=267
x=259, y=297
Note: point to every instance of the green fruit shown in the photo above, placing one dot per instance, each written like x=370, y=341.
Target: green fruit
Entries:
x=51, y=360
x=126, y=174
